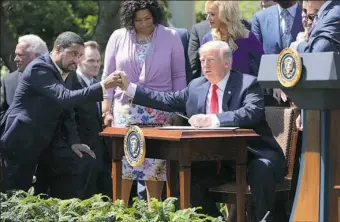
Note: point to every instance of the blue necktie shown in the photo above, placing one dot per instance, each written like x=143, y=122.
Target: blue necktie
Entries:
x=285, y=28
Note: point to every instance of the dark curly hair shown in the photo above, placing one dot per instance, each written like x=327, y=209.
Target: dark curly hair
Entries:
x=129, y=8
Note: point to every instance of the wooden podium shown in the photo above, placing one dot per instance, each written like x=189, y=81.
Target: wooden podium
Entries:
x=186, y=146
x=317, y=93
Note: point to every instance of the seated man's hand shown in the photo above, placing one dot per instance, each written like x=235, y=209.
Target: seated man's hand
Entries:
x=201, y=120
x=112, y=80
x=83, y=148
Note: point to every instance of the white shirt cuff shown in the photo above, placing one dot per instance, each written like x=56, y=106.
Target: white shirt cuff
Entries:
x=131, y=90
x=215, y=122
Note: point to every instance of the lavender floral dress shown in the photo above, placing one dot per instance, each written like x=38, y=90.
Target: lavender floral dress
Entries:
x=124, y=115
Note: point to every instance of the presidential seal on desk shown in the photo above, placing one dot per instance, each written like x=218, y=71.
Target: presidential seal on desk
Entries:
x=134, y=146
x=289, y=67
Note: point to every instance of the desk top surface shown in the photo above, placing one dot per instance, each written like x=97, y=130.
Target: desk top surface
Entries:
x=178, y=134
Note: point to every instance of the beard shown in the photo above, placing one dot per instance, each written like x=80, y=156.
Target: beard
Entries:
x=68, y=68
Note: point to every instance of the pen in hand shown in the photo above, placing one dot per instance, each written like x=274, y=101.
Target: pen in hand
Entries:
x=182, y=116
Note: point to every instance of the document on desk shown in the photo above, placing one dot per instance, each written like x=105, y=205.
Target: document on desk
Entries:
x=194, y=128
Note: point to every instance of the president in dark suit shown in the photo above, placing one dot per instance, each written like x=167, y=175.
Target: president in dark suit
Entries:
x=223, y=98
x=29, y=124
x=28, y=48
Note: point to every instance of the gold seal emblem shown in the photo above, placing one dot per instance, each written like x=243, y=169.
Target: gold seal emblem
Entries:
x=289, y=67
x=134, y=146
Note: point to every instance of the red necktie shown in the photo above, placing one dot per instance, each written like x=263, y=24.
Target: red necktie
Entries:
x=213, y=110
x=214, y=100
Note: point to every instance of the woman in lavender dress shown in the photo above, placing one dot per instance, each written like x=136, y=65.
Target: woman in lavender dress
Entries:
x=225, y=20
x=152, y=56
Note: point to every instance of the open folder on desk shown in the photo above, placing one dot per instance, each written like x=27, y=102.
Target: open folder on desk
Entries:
x=194, y=128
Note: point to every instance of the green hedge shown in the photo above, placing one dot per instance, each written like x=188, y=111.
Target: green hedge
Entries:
x=24, y=206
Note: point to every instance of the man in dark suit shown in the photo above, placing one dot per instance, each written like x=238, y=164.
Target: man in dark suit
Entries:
x=28, y=48
x=185, y=35
x=326, y=26
x=29, y=124
x=199, y=30
x=276, y=28
x=88, y=118
x=223, y=98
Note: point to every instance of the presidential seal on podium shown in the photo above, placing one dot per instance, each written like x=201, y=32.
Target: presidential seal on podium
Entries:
x=134, y=146
x=289, y=67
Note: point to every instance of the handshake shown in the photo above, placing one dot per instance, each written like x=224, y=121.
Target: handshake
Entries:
x=116, y=79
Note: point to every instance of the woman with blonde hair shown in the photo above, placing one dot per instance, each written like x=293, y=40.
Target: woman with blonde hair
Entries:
x=225, y=21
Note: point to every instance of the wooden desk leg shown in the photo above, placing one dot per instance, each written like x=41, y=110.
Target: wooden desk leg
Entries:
x=171, y=179
x=241, y=186
x=185, y=183
x=116, y=179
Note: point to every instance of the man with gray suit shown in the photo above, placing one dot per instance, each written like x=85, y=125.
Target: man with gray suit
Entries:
x=223, y=98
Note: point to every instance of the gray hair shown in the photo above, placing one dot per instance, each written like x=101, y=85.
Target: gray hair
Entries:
x=36, y=44
x=224, y=48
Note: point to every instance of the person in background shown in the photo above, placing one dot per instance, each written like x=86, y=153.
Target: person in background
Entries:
x=198, y=31
x=28, y=48
x=88, y=118
x=225, y=20
x=276, y=28
x=28, y=126
x=139, y=50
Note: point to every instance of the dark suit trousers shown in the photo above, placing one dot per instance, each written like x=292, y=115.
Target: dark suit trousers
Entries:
x=62, y=174
x=261, y=178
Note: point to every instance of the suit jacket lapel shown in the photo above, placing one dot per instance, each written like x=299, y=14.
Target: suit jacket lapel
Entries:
x=81, y=81
x=274, y=25
x=228, y=91
x=202, y=100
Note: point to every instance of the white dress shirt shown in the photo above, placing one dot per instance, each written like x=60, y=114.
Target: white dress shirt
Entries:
x=220, y=92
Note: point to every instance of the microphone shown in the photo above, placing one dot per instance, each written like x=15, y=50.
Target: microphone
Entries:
x=335, y=42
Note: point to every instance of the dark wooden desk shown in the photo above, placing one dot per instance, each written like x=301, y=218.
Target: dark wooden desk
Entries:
x=186, y=146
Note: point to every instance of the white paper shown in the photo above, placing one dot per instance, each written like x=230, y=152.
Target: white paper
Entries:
x=193, y=128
